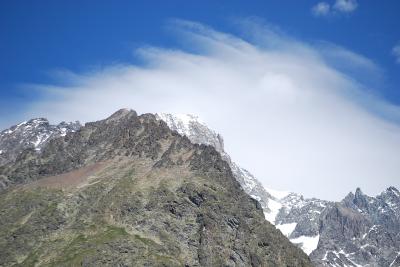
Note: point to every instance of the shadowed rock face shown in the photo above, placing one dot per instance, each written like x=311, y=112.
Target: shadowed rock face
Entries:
x=128, y=191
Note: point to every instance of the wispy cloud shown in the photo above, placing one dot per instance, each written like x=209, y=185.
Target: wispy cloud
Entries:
x=291, y=112
x=396, y=52
x=321, y=9
x=339, y=6
x=345, y=6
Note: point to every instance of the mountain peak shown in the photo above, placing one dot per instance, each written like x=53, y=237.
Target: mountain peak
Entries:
x=393, y=190
x=358, y=192
x=38, y=121
x=122, y=113
x=194, y=128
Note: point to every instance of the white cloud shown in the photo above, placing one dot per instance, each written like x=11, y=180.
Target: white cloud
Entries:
x=287, y=110
x=340, y=6
x=321, y=9
x=345, y=6
x=396, y=53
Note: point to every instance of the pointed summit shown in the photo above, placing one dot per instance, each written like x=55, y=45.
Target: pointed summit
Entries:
x=393, y=189
x=349, y=197
x=122, y=113
x=358, y=192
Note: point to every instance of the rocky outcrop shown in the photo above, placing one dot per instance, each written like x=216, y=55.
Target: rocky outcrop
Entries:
x=128, y=191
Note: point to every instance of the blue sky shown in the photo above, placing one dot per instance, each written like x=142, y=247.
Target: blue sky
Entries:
x=41, y=36
x=315, y=84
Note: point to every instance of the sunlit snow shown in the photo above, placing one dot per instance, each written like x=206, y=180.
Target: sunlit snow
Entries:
x=274, y=207
x=307, y=243
x=286, y=228
x=277, y=193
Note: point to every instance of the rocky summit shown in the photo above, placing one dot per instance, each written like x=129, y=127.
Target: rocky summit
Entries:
x=129, y=191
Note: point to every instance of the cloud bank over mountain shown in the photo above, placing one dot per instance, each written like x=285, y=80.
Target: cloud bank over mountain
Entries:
x=301, y=116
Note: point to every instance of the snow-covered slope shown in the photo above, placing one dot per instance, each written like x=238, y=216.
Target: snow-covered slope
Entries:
x=299, y=217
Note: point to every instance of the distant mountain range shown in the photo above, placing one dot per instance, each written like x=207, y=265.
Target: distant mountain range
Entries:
x=34, y=133
x=358, y=231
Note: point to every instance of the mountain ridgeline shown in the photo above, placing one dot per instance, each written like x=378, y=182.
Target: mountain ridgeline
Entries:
x=358, y=231
x=133, y=191
x=128, y=191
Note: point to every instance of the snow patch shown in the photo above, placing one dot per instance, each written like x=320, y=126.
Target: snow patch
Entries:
x=308, y=243
x=39, y=140
x=395, y=258
x=278, y=194
x=63, y=131
x=22, y=123
x=253, y=196
x=364, y=235
x=347, y=256
x=274, y=207
x=373, y=228
x=326, y=255
x=181, y=122
x=286, y=228
x=364, y=246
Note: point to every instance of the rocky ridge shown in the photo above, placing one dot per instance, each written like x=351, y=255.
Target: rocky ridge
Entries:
x=129, y=191
x=360, y=231
x=315, y=225
x=199, y=133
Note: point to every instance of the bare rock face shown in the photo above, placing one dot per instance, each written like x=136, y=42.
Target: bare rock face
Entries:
x=129, y=191
x=360, y=231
